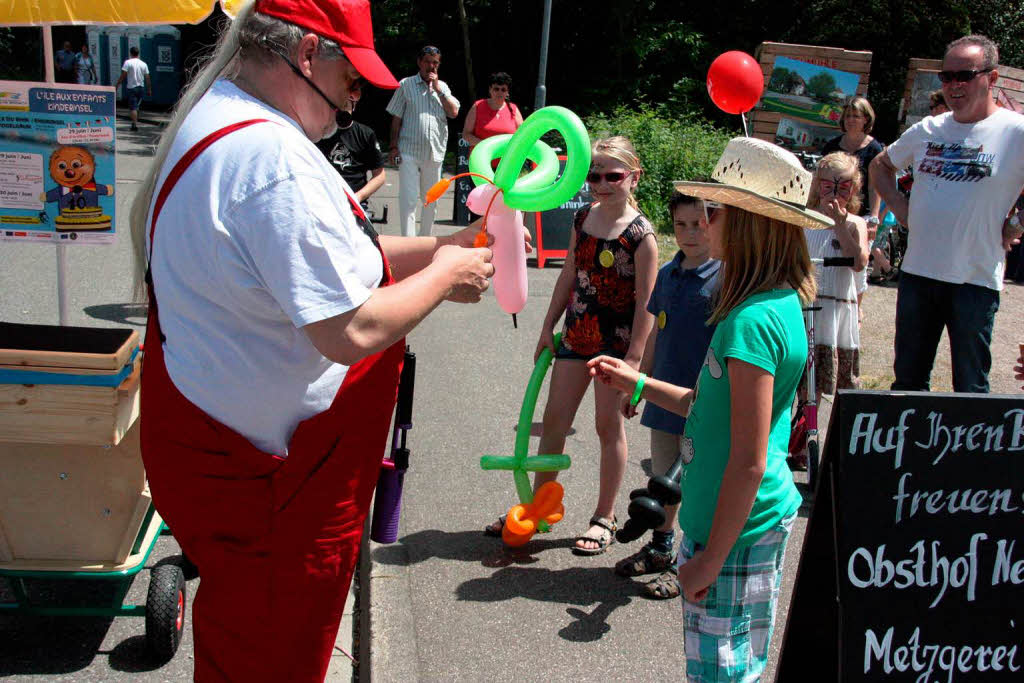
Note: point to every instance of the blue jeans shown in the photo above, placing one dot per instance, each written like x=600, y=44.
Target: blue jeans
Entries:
x=926, y=306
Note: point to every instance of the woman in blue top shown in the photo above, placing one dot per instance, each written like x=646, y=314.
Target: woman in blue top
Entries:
x=739, y=500
x=85, y=67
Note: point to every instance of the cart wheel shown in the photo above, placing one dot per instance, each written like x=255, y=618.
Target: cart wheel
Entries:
x=165, y=611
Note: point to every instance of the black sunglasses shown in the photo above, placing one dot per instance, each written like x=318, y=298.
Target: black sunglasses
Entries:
x=965, y=76
x=611, y=177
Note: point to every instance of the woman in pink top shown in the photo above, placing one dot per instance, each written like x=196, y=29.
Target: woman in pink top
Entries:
x=494, y=115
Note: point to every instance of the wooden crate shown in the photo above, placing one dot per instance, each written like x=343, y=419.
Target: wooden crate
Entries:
x=67, y=413
x=71, y=503
x=763, y=124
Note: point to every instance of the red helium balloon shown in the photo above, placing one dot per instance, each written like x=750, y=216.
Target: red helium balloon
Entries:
x=735, y=82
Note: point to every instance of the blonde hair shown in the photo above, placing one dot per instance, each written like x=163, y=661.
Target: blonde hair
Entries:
x=621, y=149
x=844, y=163
x=863, y=107
x=758, y=254
x=251, y=36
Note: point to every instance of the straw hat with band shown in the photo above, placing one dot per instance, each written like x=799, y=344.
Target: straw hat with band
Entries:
x=346, y=22
x=762, y=178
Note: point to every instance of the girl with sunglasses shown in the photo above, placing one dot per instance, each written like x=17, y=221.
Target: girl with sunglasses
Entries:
x=603, y=291
x=835, y=192
x=739, y=499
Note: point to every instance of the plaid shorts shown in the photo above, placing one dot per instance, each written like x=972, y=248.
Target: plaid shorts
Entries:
x=726, y=636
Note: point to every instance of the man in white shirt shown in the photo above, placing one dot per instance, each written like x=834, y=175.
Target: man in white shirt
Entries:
x=969, y=168
x=419, y=137
x=136, y=73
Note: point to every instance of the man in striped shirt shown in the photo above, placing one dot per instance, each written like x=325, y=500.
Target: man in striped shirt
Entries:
x=419, y=137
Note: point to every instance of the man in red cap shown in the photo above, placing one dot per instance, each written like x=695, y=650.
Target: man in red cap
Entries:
x=275, y=336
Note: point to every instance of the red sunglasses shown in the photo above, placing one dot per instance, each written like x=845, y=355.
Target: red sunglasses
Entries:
x=611, y=177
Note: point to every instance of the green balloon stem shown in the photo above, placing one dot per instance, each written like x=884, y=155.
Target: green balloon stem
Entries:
x=520, y=462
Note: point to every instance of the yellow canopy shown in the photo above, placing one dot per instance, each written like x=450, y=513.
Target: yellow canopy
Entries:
x=131, y=12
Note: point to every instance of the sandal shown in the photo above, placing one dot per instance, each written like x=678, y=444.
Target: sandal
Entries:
x=647, y=560
x=665, y=587
x=604, y=538
x=494, y=529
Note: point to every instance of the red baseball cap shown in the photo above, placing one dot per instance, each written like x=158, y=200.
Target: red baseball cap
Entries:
x=346, y=22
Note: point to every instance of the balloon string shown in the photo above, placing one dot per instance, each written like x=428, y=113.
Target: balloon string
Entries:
x=463, y=175
x=481, y=237
x=743, y=118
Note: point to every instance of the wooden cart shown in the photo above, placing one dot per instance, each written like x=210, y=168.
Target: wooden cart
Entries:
x=74, y=503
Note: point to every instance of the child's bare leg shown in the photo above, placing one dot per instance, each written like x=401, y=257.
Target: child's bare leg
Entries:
x=611, y=432
x=569, y=381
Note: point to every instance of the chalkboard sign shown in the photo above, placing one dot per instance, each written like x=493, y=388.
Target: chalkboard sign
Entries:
x=552, y=229
x=920, y=514
x=463, y=186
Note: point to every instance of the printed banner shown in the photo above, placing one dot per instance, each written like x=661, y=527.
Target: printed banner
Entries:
x=809, y=91
x=57, y=163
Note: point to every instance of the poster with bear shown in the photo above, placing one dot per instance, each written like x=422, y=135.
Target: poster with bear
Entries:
x=57, y=170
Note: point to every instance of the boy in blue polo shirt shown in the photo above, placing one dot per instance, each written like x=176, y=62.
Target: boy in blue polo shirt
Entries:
x=674, y=353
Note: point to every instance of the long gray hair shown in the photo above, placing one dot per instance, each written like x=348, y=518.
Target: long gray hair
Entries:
x=249, y=37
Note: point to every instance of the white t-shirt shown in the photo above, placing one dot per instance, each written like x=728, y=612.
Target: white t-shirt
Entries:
x=966, y=178
x=256, y=240
x=137, y=72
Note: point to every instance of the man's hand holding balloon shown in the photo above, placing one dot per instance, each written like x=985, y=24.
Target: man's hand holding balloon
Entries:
x=469, y=271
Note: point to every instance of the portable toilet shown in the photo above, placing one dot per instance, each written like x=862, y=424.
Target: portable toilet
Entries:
x=161, y=51
x=96, y=39
x=116, y=52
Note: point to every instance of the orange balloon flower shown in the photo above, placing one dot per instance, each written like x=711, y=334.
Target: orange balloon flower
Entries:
x=523, y=520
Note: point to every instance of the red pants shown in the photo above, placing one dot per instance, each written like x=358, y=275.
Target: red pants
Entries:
x=276, y=540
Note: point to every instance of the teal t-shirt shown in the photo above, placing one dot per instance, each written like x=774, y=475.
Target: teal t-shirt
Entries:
x=766, y=330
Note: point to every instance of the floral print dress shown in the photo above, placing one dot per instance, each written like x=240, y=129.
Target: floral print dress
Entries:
x=599, y=317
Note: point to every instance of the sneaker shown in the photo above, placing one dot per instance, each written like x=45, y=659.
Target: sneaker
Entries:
x=134, y=127
x=647, y=560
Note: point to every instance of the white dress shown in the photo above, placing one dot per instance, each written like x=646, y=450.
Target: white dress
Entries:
x=836, y=329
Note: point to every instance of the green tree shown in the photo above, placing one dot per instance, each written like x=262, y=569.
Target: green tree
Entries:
x=778, y=79
x=821, y=86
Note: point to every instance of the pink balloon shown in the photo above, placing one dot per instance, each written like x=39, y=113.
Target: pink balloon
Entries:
x=506, y=224
x=735, y=82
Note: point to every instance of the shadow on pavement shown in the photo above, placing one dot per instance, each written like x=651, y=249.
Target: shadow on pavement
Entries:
x=465, y=546
x=578, y=586
x=126, y=314
x=132, y=656
x=49, y=646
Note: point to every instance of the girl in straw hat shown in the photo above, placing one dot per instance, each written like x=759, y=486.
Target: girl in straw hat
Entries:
x=739, y=500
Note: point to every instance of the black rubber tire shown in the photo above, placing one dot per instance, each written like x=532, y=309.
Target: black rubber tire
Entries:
x=812, y=464
x=165, y=611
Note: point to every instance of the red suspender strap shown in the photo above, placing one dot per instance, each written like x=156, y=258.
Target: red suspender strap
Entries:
x=186, y=161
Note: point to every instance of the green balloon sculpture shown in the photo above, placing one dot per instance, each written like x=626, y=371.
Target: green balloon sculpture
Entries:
x=538, y=190
x=520, y=463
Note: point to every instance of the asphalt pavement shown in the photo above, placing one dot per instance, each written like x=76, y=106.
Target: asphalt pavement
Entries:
x=444, y=602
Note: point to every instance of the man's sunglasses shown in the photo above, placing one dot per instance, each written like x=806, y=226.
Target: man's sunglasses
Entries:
x=965, y=76
x=710, y=208
x=611, y=177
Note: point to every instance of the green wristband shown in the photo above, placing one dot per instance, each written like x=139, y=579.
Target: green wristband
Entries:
x=639, y=389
